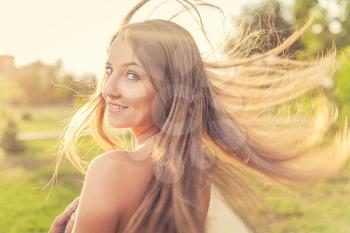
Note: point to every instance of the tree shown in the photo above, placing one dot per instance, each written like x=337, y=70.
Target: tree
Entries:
x=267, y=25
x=39, y=84
x=331, y=24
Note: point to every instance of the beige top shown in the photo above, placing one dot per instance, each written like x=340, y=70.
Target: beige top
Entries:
x=221, y=218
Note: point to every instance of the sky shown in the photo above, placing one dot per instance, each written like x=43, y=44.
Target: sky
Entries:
x=78, y=31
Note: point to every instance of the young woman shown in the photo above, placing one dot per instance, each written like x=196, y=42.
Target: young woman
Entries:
x=196, y=125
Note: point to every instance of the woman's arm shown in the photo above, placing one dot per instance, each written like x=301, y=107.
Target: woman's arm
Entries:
x=112, y=184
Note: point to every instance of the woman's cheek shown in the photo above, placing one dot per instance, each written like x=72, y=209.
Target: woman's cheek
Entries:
x=132, y=90
x=139, y=97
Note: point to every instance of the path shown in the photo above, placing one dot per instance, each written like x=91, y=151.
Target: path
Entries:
x=27, y=136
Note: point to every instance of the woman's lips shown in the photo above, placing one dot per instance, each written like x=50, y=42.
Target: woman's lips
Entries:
x=116, y=108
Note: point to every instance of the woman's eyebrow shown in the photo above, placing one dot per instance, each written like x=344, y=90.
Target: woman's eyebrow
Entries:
x=127, y=64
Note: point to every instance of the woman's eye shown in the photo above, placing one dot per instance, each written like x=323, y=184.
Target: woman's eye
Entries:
x=132, y=76
x=129, y=75
x=109, y=70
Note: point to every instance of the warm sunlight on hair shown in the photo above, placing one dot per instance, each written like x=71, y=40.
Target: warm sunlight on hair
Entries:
x=236, y=123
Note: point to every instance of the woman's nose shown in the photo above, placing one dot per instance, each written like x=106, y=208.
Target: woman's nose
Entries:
x=110, y=87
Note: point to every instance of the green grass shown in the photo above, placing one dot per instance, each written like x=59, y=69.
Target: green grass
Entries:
x=24, y=208
x=43, y=118
x=23, y=204
x=326, y=210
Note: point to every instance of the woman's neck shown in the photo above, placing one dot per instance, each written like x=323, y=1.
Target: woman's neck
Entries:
x=145, y=135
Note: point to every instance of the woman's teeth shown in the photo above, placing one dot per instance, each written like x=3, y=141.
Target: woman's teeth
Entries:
x=117, y=108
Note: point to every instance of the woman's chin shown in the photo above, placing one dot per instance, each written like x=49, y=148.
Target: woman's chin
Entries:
x=116, y=124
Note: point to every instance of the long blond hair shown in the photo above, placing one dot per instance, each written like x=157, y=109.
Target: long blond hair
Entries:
x=222, y=122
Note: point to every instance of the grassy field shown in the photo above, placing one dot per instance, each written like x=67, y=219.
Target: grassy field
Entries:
x=23, y=204
x=46, y=118
x=24, y=208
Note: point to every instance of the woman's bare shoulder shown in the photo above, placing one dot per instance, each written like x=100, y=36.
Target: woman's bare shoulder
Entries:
x=122, y=164
x=126, y=171
x=113, y=185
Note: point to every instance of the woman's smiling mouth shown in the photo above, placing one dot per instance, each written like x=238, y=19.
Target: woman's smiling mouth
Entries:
x=116, y=107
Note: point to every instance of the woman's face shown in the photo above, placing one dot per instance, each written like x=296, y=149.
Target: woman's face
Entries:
x=128, y=85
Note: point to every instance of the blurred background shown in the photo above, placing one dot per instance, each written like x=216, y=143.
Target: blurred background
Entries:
x=51, y=54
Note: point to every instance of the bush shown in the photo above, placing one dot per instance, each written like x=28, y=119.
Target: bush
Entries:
x=26, y=116
x=8, y=139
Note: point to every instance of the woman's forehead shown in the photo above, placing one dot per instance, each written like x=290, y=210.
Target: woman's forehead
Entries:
x=120, y=47
x=148, y=56
x=121, y=52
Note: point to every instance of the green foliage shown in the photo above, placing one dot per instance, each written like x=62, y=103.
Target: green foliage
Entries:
x=268, y=17
x=343, y=76
x=42, y=84
x=12, y=92
x=331, y=25
x=343, y=84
